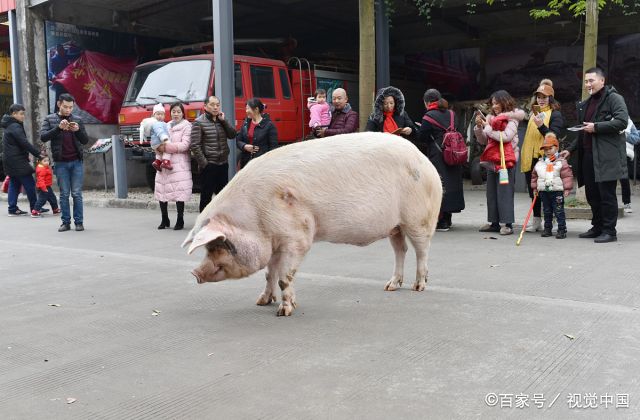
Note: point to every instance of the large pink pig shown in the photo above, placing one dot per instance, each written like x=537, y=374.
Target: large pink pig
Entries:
x=351, y=189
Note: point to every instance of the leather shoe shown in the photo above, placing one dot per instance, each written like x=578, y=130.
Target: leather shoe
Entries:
x=64, y=227
x=79, y=227
x=590, y=234
x=604, y=238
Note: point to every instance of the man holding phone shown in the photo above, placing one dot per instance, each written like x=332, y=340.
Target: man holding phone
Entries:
x=67, y=135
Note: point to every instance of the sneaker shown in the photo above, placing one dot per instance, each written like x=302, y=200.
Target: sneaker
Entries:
x=64, y=227
x=79, y=227
x=166, y=164
x=43, y=210
x=157, y=165
x=506, y=230
x=534, y=225
x=442, y=227
x=56, y=211
x=35, y=213
x=627, y=208
x=18, y=212
x=490, y=228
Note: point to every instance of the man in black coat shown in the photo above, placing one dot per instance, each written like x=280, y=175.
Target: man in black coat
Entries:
x=602, y=159
x=67, y=135
x=16, y=158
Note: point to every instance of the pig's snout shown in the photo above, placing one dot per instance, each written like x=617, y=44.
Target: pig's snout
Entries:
x=198, y=275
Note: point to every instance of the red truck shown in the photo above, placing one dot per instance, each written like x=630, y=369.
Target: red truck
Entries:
x=282, y=88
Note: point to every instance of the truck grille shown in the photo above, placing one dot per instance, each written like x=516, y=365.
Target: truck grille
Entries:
x=130, y=132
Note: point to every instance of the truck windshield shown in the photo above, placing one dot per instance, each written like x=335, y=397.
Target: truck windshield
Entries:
x=166, y=82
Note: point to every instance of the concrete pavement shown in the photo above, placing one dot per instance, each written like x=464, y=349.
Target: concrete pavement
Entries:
x=135, y=337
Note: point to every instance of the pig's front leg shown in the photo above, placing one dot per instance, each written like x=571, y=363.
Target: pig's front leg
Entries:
x=286, y=272
x=399, y=245
x=269, y=294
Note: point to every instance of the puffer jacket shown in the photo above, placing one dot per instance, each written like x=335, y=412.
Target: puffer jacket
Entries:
x=400, y=116
x=16, y=148
x=51, y=132
x=44, y=176
x=342, y=122
x=265, y=136
x=176, y=184
x=486, y=134
x=560, y=179
x=209, y=140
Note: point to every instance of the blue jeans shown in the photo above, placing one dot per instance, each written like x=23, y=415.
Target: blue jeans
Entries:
x=14, y=190
x=70, y=177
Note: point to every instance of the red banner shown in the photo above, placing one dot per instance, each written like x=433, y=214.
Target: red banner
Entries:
x=98, y=82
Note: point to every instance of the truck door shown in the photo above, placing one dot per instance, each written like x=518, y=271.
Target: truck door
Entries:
x=263, y=86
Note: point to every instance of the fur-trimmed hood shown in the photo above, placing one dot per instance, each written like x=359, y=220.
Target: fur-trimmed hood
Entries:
x=377, y=114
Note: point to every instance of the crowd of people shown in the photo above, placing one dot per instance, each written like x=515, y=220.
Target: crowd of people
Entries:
x=603, y=147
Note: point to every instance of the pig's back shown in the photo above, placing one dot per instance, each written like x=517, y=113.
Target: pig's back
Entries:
x=357, y=187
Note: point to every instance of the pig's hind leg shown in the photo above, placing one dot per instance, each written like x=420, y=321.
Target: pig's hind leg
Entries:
x=421, y=242
x=399, y=245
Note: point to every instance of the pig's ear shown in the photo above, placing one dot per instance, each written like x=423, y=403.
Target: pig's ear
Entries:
x=203, y=237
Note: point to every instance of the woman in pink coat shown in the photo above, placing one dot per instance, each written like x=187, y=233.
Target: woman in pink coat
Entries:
x=175, y=184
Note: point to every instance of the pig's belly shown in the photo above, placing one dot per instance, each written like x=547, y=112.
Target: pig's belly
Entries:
x=354, y=231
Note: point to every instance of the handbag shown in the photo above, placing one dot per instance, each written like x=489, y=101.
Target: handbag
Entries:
x=5, y=184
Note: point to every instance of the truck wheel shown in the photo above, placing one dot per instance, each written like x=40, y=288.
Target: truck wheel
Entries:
x=150, y=175
x=477, y=172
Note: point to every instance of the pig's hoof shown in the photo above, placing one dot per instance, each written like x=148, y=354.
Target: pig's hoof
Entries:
x=393, y=284
x=419, y=285
x=265, y=299
x=285, y=309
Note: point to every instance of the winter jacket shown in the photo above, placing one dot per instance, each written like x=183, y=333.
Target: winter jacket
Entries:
x=608, y=148
x=486, y=134
x=44, y=177
x=430, y=143
x=531, y=144
x=209, y=140
x=559, y=179
x=400, y=116
x=265, y=136
x=176, y=184
x=320, y=114
x=51, y=132
x=631, y=133
x=342, y=122
x=16, y=148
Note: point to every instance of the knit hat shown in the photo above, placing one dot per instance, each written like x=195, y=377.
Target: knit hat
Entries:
x=549, y=140
x=158, y=108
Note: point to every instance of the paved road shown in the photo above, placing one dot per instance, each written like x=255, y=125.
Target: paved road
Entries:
x=544, y=320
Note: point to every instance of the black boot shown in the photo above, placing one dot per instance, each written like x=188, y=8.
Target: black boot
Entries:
x=546, y=233
x=180, y=221
x=165, y=216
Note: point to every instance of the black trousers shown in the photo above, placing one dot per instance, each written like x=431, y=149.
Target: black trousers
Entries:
x=602, y=198
x=212, y=180
x=553, y=204
x=624, y=183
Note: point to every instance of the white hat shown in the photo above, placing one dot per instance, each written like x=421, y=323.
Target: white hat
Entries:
x=158, y=108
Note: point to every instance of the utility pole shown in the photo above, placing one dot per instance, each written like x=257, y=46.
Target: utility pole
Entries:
x=590, y=40
x=367, y=68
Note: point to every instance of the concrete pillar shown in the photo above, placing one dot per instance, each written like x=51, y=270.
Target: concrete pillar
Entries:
x=223, y=62
x=16, y=72
x=383, y=74
x=33, y=67
x=367, y=68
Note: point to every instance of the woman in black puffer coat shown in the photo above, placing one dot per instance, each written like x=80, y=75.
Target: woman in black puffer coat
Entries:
x=389, y=116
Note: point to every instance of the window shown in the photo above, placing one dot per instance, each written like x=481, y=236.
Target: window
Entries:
x=284, y=82
x=262, y=82
x=238, y=80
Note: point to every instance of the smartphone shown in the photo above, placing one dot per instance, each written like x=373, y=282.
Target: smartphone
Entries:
x=480, y=114
x=535, y=109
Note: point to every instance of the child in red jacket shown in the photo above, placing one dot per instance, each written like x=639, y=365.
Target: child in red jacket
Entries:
x=44, y=180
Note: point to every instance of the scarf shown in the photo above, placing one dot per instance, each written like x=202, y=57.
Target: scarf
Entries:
x=433, y=105
x=389, y=125
x=532, y=141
